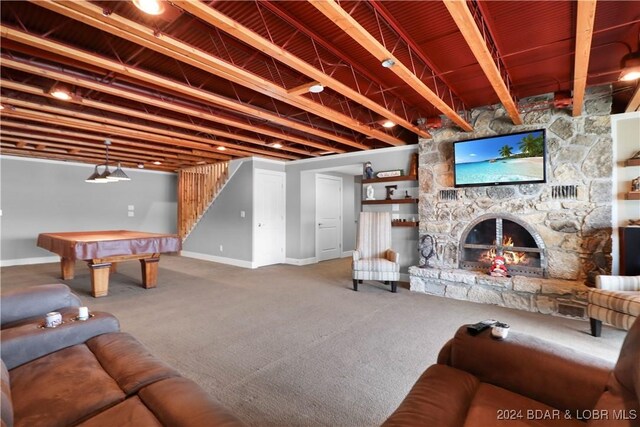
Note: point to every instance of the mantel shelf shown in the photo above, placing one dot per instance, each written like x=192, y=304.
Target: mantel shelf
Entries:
x=629, y=162
x=390, y=179
x=404, y=224
x=388, y=202
x=631, y=195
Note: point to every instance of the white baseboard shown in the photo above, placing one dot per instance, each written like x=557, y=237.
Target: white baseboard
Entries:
x=301, y=261
x=220, y=259
x=347, y=254
x=28, y=261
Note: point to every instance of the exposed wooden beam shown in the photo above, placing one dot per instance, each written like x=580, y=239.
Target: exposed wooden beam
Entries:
x=350, y=26
x=69, y=135
x=634, y=103
x=245, y=34
x=466, y=24
x=241, y=150
x=148, y=37
x=584, y=32
x=171, y=85
x=156, y=102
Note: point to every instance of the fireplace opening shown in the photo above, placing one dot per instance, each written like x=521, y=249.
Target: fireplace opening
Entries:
x=504, y=235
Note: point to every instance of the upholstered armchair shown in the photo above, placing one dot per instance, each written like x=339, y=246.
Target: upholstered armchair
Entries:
x=615, y=300
x=373, y=258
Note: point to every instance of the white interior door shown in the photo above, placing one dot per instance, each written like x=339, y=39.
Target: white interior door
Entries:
x=328, y=217
x=269, y=217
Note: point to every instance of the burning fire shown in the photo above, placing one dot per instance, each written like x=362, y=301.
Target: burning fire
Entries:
x=511, y=257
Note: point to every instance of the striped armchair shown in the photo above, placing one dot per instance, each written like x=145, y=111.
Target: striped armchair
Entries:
x=615, y=300
x=373, y=258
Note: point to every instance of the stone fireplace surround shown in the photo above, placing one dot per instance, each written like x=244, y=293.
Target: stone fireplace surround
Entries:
x=576, y=230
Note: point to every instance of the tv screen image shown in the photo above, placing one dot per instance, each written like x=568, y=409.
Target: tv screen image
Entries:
x=517, y=158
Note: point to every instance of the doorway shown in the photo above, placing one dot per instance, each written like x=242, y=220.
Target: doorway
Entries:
x=328, y=217
x=269, y=217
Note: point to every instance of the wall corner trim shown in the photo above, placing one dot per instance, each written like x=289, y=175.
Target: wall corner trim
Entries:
x=29, y=261
x=222, y=260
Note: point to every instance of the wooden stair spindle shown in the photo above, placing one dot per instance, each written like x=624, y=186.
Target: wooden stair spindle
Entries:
x=198, y=187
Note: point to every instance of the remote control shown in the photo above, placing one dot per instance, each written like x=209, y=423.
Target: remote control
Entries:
x=476, y=328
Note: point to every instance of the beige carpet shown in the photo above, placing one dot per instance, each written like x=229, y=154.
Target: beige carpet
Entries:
x=295, y=346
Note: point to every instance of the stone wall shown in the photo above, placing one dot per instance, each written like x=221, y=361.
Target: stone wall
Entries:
x=576, y=231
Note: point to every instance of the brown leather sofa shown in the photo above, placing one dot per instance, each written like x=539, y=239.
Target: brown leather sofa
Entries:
x=523, y=381
x=87, y=373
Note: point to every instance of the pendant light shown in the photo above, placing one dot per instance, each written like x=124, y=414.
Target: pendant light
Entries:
x=107, y=176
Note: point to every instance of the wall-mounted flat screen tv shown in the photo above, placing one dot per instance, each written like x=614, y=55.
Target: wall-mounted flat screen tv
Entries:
x=517, y=158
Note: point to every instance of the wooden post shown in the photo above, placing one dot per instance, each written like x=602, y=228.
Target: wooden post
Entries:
x=149, y=268
x=99, y=278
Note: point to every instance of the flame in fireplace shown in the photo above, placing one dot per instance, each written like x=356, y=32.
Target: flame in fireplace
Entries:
x=511, y=257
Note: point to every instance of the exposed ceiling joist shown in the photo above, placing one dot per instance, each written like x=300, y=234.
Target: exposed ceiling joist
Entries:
x=634, y=103
x=230, y=26
x=148, y=37
x=464, y=20
x=242, y=150
x=156, y=102
x=168, y=84
x=584, y=33
x=350, y=26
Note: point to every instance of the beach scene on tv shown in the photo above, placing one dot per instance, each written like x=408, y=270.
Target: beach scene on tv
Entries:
x=506, y=158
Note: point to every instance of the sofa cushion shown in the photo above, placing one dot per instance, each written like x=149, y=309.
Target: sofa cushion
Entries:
x=376, y=264
x=179, y=402
x=440, y=397
x=627, y=369
x=6, y=406
x=130, y=413
x=128, y=362
x=627, y=302
x=61, y=388
x=495, y=406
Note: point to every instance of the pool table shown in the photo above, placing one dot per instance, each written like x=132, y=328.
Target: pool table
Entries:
x=103, y=249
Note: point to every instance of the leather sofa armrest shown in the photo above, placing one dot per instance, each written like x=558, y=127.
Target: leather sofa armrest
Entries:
x=34, y=301
x=29, y=341
x=444, y=356
x=392, y=256
x=547, y=372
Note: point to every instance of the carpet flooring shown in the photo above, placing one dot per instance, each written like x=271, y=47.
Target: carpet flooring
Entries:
x=295, y=346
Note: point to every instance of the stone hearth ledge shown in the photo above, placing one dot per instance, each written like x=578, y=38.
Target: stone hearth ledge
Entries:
x=547, y=296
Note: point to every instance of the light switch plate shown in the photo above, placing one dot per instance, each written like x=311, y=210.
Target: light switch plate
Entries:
x=395, y=207
x=130, y=207
x=130, y=213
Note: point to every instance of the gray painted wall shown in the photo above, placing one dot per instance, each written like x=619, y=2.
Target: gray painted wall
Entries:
x=222, y=223
x=44, y=196
x=301, y=198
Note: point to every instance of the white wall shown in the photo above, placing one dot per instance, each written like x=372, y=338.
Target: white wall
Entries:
x=625, y=130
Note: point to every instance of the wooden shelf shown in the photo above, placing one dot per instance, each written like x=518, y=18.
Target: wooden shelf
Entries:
x=629, y=162
x=633, y=195
x=391, y=179
x=388, y=202
x=404, y=224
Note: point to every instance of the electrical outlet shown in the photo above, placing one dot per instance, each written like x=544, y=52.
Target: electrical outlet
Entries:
x=130, y=213
x=395, y=207
x=131, y=207
x=221, y=250
x=242, y=214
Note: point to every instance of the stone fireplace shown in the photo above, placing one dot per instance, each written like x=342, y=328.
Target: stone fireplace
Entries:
x=507, y=236
x=556, y=236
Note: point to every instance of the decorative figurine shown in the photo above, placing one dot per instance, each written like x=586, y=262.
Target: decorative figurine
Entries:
x=635, y=184
x=390, y=190
x=498, y=267
x=370, y=193
x=368, y=170
x=425, y=248
x=413, y=167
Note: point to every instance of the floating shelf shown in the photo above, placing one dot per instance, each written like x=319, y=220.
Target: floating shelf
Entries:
x=389, y=202
x=633, y=195
x=629, y=162
x=404, y=224
x=390, y=179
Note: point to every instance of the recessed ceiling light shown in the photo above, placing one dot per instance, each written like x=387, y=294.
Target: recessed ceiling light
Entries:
x=221, y=148
x=316, y=88
x=152, y=7
x=61, y=94
x=140, y=166
x=277, y=145
x=1, y=107
x=388, y=124
x=157, y=162
x=630, y=65
x=388, y=63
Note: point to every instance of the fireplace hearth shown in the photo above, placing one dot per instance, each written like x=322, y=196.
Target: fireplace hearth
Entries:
x=505, y=235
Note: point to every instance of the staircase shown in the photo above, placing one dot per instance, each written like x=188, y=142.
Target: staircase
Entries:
x=198, y=187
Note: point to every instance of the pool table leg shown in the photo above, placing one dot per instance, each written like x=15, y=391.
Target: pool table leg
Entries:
x=67, y=268
x=149, y=268
x=99, y=278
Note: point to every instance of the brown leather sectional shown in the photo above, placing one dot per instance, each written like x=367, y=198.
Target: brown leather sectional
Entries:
x=523, y=381
x=87, y=373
